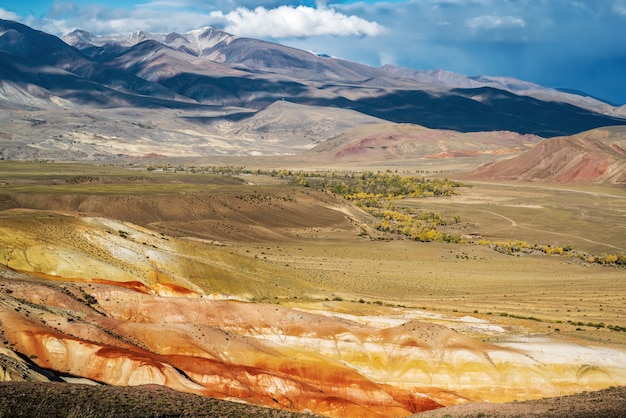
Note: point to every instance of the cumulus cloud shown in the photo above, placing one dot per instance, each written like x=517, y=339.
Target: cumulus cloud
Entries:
x=281, y=21
x=295, y=22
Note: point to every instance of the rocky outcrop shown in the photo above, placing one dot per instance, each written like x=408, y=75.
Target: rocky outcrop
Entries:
x=14, y=368
x=118, y=336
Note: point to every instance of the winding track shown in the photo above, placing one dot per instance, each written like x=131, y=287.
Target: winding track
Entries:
x=514, y=224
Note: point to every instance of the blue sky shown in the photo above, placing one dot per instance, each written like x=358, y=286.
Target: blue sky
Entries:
x=575, y=44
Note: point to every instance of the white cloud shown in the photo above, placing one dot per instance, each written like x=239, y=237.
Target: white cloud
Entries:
x=282, y=21
x=489, y=22
x=296, y=22
x=619, y=8
x=5, y=14
x=387, y=57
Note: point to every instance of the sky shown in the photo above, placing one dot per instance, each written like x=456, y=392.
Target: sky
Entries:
x=572, y=44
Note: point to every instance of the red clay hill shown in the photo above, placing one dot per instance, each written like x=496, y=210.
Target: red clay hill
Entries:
x=596, y=156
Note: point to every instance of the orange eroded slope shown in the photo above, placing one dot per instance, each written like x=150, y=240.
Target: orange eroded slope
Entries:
x=277, y=356
x=134, y=338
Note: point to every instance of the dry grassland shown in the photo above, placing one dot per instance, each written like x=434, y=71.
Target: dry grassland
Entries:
x=458, y=280
x=299, y=247
x=588, y=218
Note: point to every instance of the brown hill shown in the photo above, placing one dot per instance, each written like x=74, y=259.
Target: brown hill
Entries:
x=56, y=400
x=386, y=142
x=597, y=156
x=289, y=127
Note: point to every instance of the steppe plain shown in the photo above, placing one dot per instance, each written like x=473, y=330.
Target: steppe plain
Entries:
x=309, y=277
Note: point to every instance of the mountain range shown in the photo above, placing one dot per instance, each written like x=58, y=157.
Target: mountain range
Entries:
x=207, y=92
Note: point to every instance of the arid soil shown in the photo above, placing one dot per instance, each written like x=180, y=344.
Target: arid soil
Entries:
x=596, y=156
x=59, y=400
x=608, y=403
x=389, y=142
x=35, y=400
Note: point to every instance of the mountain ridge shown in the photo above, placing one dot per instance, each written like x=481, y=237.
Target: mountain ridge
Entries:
x=189, y=42
x=81, y=39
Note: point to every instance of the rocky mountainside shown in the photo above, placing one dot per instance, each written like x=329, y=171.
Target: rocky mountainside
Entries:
x=352, y=85
x=215, y=45
x=195, y=42
x=519, y=87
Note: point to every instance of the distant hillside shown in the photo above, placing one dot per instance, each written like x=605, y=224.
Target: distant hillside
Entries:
x=388, y=142
x=597, y=156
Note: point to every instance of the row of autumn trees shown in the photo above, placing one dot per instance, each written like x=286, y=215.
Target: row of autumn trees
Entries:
x=375, y=193
x=514, y=247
